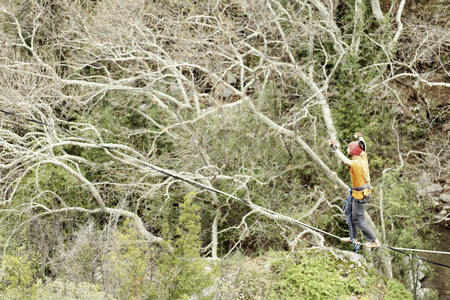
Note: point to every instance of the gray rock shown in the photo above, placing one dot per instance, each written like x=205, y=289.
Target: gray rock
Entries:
x=434, y=188
x=421, y=192
x=421, y=276
x=431, y=188
x=350, y=256
x=442, y=213
x=420, y=272
x=424, y=180
x=445, y=198
x=424, y=293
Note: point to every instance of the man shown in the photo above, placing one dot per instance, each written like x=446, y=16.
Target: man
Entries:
x=360, y=177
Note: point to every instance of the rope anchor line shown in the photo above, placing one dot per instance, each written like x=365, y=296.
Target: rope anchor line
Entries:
x=187, y=180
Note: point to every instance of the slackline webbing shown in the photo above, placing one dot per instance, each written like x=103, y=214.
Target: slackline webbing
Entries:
x=193, y=182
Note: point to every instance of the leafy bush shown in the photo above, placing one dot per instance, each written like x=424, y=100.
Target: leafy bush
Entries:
x=17, y=273
x=316, y=275
x=137, y=271
x=395, y=290
x=129, y=263
x=68, y=290
x=183, y=271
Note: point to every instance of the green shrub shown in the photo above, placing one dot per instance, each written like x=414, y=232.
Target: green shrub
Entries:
x=17, y=273
x=68, y=290
x=184, y=271
x=129, y=263
x=395, y=290
x=316, y=275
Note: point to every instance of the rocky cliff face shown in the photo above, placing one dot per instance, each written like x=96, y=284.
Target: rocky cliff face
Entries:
x=438, y=192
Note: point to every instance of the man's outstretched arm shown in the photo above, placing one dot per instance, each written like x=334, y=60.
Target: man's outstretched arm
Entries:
x=339, y=154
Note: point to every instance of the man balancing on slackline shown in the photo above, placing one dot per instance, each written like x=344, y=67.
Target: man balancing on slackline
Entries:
x=361, y=189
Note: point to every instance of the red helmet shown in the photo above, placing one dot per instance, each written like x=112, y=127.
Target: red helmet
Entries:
x=354, y=148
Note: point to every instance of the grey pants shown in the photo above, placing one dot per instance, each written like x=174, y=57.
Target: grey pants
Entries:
x=355, y=218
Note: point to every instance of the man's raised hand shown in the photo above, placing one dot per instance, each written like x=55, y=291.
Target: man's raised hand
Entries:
x=332, y=144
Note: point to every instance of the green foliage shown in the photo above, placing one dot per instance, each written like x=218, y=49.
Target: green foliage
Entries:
x=396, y=291
x=405, y=217
x=231, y=142
x=129, y=263
x=311, y=274
x=401, y=201
x=128, y=126
x=17, y=273
x=56, y=182
x=184, y=270
x=69, y=290
x=357, y=111
x=400, y=196
x=140, y=272
x=302, y=277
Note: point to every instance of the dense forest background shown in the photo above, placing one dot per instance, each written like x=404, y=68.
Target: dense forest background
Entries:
x=240, y=96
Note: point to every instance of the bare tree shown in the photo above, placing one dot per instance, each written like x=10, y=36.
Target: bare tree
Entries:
x=196, y=89
x=166, y=68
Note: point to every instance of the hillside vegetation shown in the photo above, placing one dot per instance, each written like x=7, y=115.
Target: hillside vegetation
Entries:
x=239, y=96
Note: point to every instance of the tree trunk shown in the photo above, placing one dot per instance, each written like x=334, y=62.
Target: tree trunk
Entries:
x=376, y=10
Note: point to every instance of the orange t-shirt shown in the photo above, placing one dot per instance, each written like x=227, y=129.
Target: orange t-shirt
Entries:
x=359, y=171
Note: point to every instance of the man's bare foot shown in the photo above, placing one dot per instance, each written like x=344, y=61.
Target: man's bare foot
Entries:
x=373, y=244
x=349, y=240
